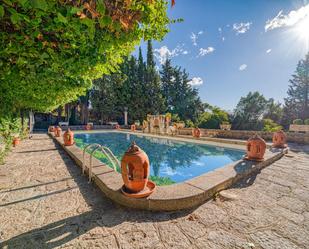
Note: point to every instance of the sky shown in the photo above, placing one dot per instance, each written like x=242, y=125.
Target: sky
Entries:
x=232, y=47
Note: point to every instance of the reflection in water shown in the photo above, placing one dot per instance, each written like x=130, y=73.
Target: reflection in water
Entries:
x=170, y=160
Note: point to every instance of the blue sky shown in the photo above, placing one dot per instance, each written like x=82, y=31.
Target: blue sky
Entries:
x=232, y=47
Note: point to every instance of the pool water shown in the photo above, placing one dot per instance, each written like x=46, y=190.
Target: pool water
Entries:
x=171, y=161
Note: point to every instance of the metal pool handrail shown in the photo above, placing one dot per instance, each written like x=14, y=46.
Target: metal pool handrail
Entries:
x=84, y=152
x=106, y=151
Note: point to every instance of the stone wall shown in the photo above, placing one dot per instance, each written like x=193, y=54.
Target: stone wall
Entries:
x=292, y=137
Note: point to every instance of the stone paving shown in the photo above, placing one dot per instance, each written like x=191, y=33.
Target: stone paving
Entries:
x=45, y=202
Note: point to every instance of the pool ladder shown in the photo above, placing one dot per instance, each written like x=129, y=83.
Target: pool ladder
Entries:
x=105, y=150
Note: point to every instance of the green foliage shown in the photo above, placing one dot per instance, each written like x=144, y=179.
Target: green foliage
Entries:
x=271, y=126
x=180, y=97
x=297, y=102
x=297, y=121
x=50, y=50
x=274, y=111
x=175, y=118
x=213, y=118
x=306, y=121
x=189, y=123
x=10, y=127
x=249, y=112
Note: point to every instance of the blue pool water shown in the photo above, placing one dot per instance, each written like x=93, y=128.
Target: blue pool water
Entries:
x=171, y=161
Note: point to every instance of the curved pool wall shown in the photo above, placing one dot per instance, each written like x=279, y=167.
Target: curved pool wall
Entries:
x=171, y=161
x=179, y=196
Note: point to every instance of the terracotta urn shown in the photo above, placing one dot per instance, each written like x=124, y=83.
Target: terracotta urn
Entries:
x=51, y=128
x=196, y=132
x=279, y=140
x=256, y=148
x=88, y=127
x=68, y=137
x=16, y=141
x=57, y=131
x=133, y=127
x=135, y=169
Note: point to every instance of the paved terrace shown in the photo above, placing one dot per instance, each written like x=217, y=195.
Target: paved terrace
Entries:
x=45, y=202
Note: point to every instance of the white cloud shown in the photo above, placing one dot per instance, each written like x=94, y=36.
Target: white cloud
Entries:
x=196, y=81
x=242, y=67
x=242, y=27
x=268, y=51
x=292, y=18
x=194, y=37
x=163, y=53
x=205, y=51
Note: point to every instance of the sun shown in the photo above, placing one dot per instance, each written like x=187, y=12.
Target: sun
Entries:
x=302, y=31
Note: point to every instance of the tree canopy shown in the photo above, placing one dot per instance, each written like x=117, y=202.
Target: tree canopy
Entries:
x=51, y=50
x=139, y=86
x=297, y=102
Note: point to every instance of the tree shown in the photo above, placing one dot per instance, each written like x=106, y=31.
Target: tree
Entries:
x=180, y=97
x=152, y=85
x=213, y=118
x=297, y=102
x=51, y=50
x=249, y=112
x=274, y=111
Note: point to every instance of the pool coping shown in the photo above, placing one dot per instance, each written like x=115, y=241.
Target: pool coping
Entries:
x=184, y=195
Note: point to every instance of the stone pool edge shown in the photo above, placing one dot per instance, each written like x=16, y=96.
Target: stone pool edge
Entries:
x=179, y=196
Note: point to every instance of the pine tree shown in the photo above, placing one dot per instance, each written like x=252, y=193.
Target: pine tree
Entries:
x=150, y=57
x=180, y=97
x=297, y=102
x=155, y=100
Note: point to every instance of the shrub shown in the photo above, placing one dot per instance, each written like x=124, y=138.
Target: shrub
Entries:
x=9, y=128
x=297, y=121
x=212, y=120
x=271, y=126
x=306, y=122
x=189, y=123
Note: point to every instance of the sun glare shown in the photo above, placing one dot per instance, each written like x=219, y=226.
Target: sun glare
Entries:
x=302, y=31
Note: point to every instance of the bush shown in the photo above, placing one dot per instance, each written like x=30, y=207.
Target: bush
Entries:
x=306, y=122
x=212, y=120
x=271, y=126
x=9, y=128
x=189, y=123
x=297, y=121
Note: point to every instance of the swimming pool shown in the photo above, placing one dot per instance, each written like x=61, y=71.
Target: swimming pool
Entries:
x=171, y=161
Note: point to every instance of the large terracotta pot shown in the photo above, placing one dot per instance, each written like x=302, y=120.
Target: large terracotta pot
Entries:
x=16, y=141
x=279, y=140
x=196, y=132
x=68, y=138
x=51, y=128
x=57, y=131
x=133, y=127
x=256, y=148
x=135, y=169
x=88, y=127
